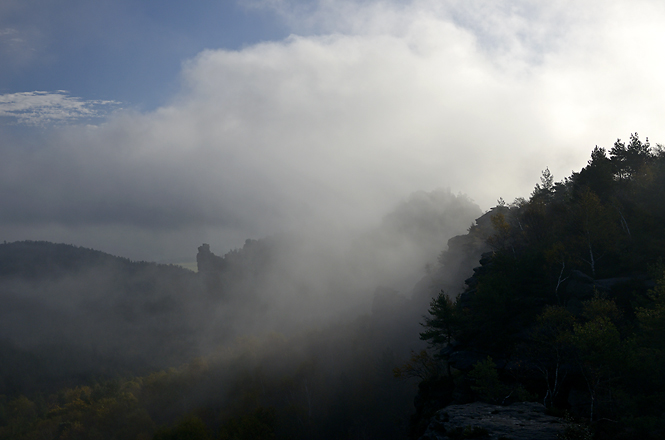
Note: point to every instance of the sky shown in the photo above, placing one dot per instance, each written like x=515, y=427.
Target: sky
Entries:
x=144, y=128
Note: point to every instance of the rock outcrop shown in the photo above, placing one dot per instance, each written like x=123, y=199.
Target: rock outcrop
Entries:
x=207, y=262
x=519, y=421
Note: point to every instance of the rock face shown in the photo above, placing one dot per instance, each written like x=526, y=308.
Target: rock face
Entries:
x=519, y=421
x=207, y=262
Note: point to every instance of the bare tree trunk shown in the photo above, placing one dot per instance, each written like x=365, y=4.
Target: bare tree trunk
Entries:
x=624, y=223
x=591, y=261
x=559, y=281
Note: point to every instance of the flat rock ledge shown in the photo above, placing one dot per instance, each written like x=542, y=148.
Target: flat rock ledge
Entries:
x=519, y=421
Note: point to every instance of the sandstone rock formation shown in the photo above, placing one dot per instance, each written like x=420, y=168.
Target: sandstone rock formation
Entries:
x=519, y=421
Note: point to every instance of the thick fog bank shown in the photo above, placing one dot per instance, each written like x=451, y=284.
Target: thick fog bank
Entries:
x=384, y=98
x=147, y=315
x=308, y=278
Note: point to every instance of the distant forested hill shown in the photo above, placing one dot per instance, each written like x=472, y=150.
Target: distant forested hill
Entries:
x=42, y=259
x=69, y=312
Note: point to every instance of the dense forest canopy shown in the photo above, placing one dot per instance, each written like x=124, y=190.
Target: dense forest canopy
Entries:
x=567, y=307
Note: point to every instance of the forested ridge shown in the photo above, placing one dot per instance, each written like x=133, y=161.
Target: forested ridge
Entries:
x=71, y=314
x=565, y=306
x=568, y=307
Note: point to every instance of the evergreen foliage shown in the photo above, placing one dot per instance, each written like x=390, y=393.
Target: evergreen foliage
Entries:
x=564, y=302
x=443, y=324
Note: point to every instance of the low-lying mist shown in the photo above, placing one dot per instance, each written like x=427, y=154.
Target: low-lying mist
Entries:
x=314, y=275
x=143, y=315
x=307, y=325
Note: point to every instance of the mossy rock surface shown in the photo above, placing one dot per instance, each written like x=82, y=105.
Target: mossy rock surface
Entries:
x=519, y=421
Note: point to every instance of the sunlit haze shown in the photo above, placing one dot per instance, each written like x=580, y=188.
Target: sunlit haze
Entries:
x=145, y=132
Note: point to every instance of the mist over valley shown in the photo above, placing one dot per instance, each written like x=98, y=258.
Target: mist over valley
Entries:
x=159, y=316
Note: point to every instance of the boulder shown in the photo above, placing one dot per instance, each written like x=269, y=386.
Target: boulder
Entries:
x=580, y=286
x=608, y=284
x=519, y=421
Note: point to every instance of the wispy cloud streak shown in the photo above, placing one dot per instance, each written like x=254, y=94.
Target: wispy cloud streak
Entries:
x=42, y=108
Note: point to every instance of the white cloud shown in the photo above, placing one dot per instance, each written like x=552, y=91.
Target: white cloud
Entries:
x=39, y=107
x=372, y=101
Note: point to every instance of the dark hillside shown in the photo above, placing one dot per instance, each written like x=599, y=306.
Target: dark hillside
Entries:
x=71, y=312
x=566, y=306
x=41, y=259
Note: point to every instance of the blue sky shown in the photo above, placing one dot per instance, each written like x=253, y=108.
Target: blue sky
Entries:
x=145, y=128
x=127, y=51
